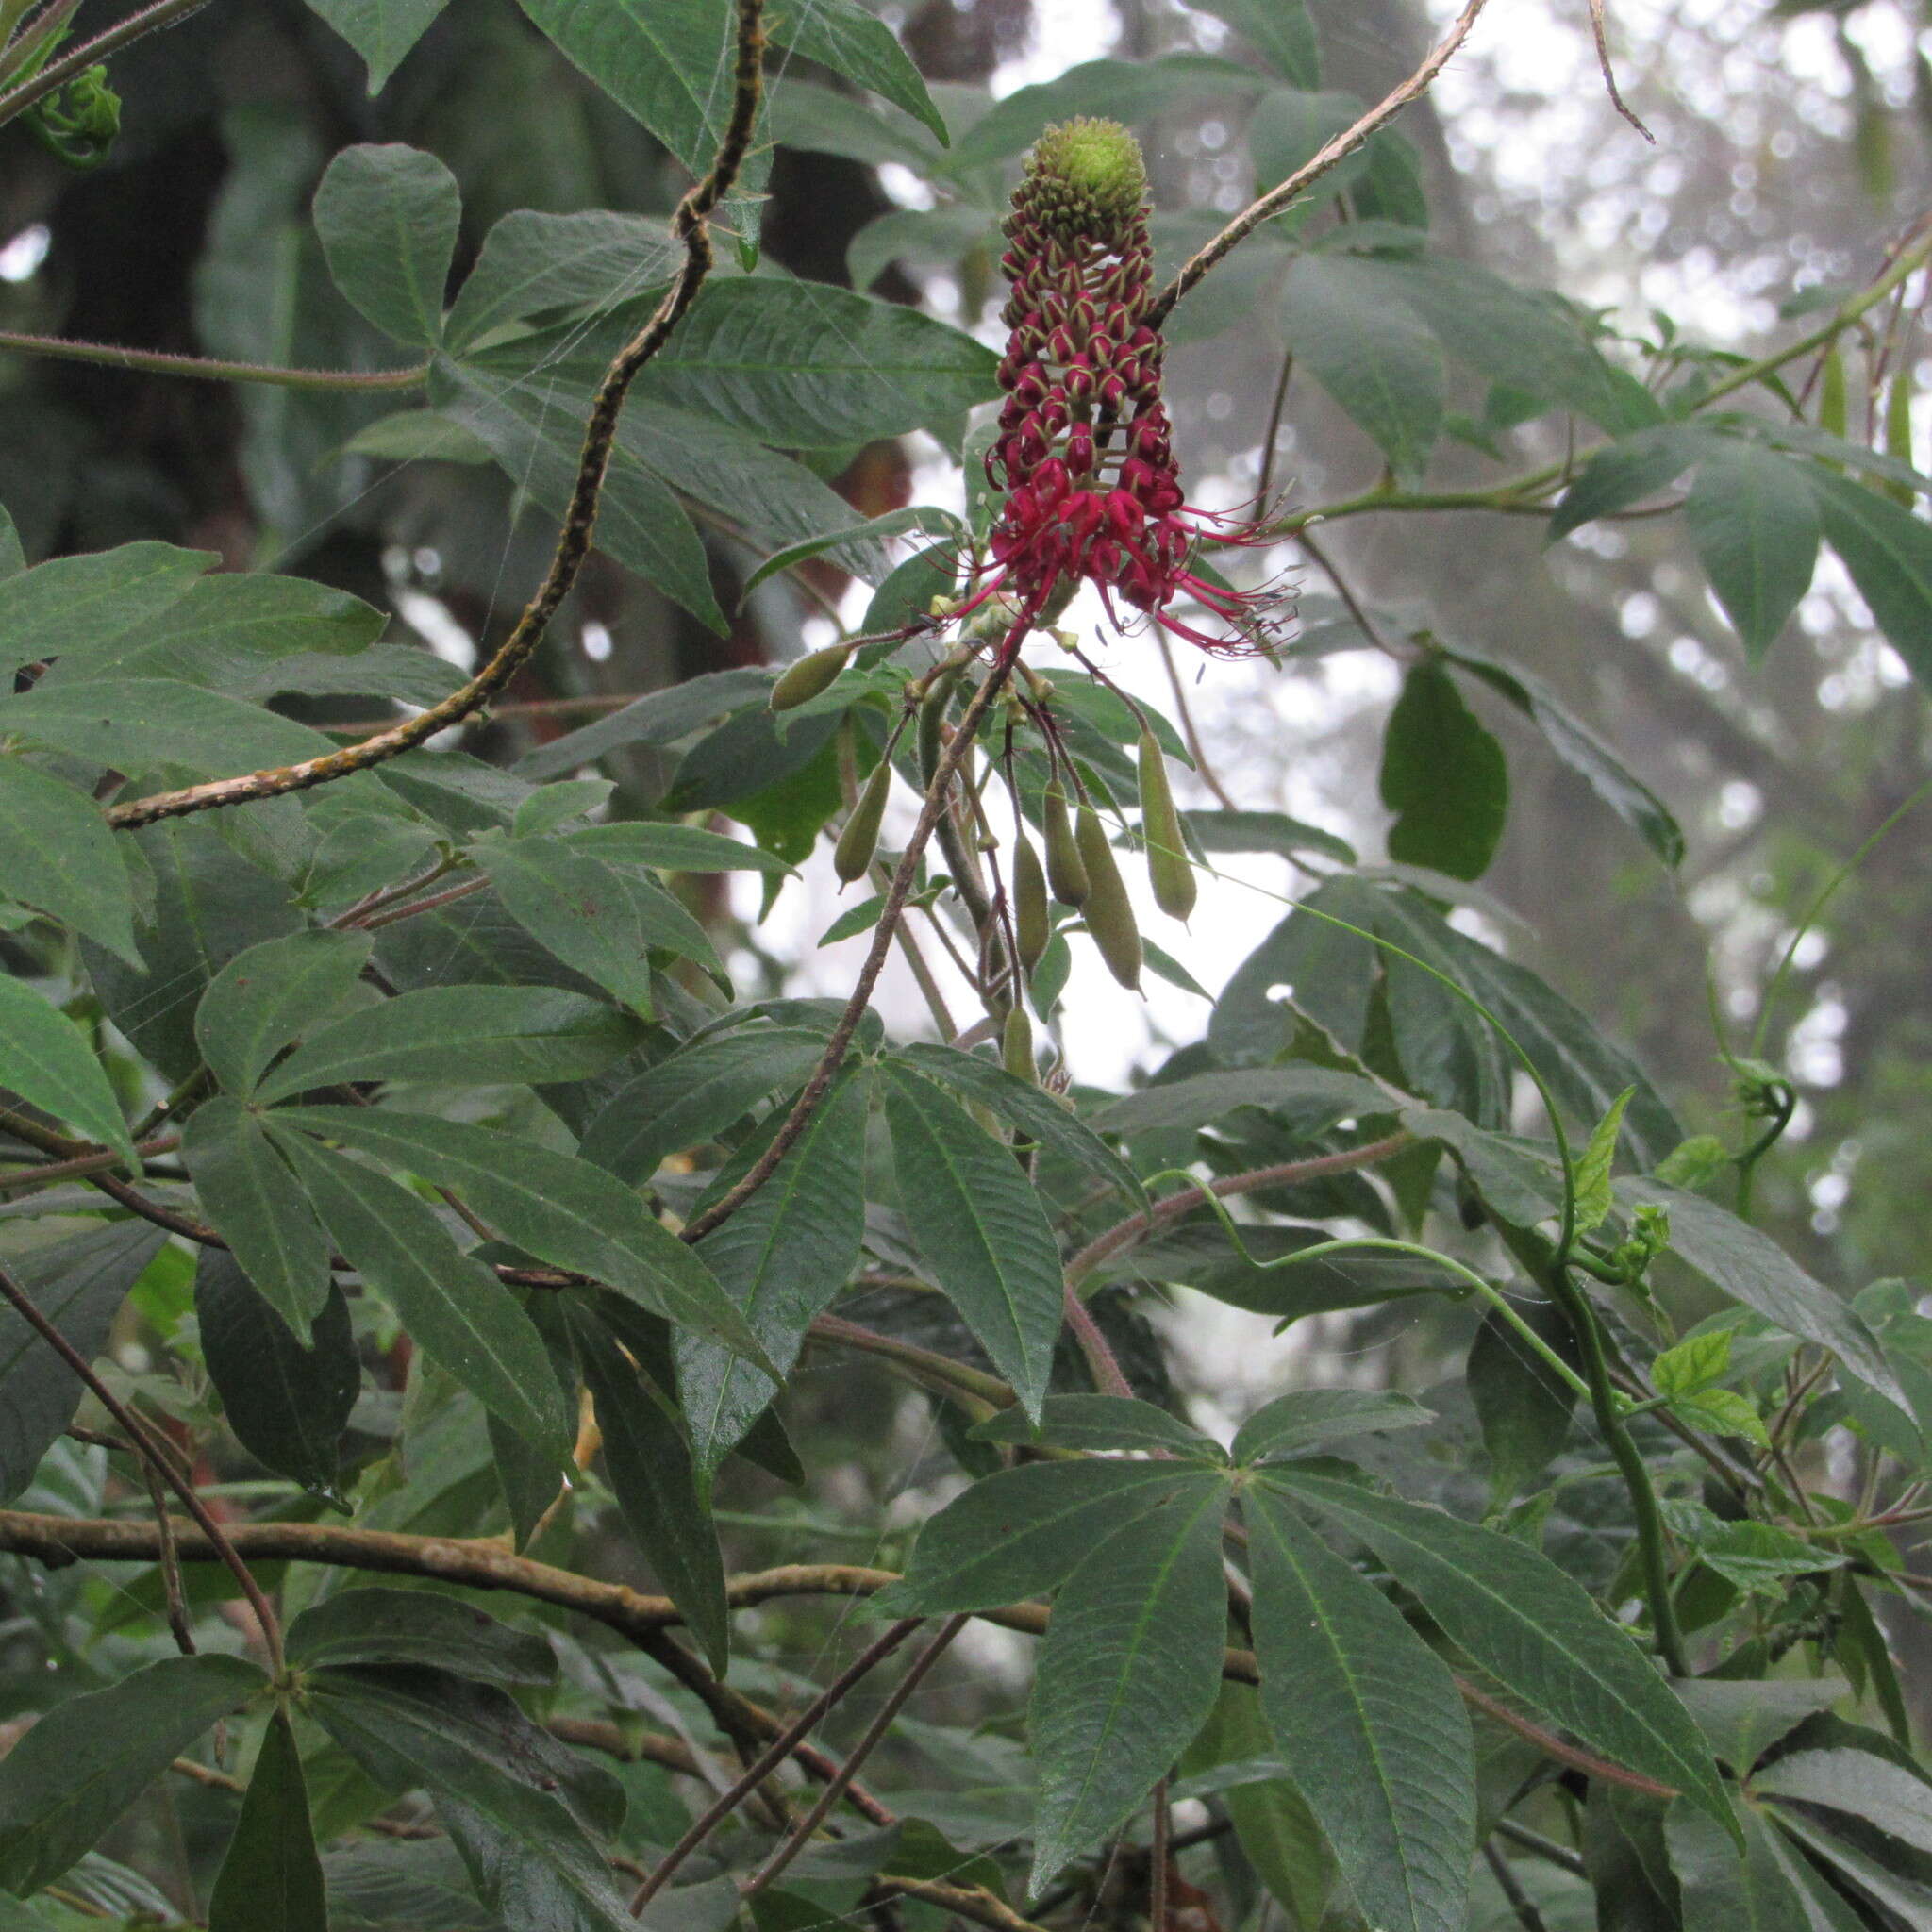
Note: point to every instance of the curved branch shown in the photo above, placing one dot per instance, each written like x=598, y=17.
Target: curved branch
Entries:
x=1171, y=1206
x=1327, y=156
x=483, y=1565
x=573, y=538
x=76, y=60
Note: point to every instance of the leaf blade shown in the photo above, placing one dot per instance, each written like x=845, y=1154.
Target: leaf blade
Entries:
x=456, y=1309
x=981, y=1229
x=1346, y=1685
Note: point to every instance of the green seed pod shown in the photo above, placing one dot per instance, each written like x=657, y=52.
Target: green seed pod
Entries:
x=1065, y=872
x=1109, y=915
x=801, y=682
x=1030, y=925
x=1833, y=404
x=1898, y=434
x=1172, y=875
x=932, y=718
x=861, y=838
x=1016, y=1046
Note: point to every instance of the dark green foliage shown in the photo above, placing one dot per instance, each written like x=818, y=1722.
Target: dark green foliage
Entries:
x=588, y=1333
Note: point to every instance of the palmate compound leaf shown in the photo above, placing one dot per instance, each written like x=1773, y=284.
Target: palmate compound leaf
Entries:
x=1129, y=1670
x=63, y=1785
x=782, y=1257
x=387, y=216
x=1368, y=1721
x=1751, y=1268
x=1305, y=1419
x=376, y=1625
x=1021, y=1531
x=981, y=1228
x=532, y=262
x=455, y=1309
x=1023, y=1106
x=1720, y=1893
x=382, y=31
x=1755, y=522
x=1524, y=1620
x=563, y=1210
x=694, y=1094
x=57, y=856
x=1444, y=776
x=71, y=606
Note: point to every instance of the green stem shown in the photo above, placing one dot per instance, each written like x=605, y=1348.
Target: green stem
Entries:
x=206, y=369
x=1547, y=1265
x=57, y=73
x=1841, y=318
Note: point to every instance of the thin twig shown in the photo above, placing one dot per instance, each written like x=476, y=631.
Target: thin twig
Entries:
x=1600, y=33
x=1519, y=1901
x=802, y=1832
x=573, y=538
x=1326, y=157
x=903, y=878
x=172, y=1594
x=1276, y=409
x=1350, y=602
x=136, y=1432
x=1158, y=1852
x=1170, y=1207
x=1102, y=1363
x=1196, y=750
x=770, y=1760
x=1545, y=1848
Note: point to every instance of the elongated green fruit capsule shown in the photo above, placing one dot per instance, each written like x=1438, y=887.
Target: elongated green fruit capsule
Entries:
x=1016, y=1046
x=1109, y=915
x=1898, y=432
x=1065, y=871
x=932, y=718
x=803, y=681
x=1030, y=926
x=1833, y=410
x=1168, y=870
x=861, y=838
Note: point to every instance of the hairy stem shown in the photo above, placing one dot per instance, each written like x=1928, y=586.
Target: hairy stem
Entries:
x=1329, y=155
x=57, y=73
x=206, y=369
x=574, y=539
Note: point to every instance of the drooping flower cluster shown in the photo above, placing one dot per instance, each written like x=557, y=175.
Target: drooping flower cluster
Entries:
x=1085, y=451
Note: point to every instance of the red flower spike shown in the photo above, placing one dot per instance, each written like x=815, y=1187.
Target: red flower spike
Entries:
x=1085, y=449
